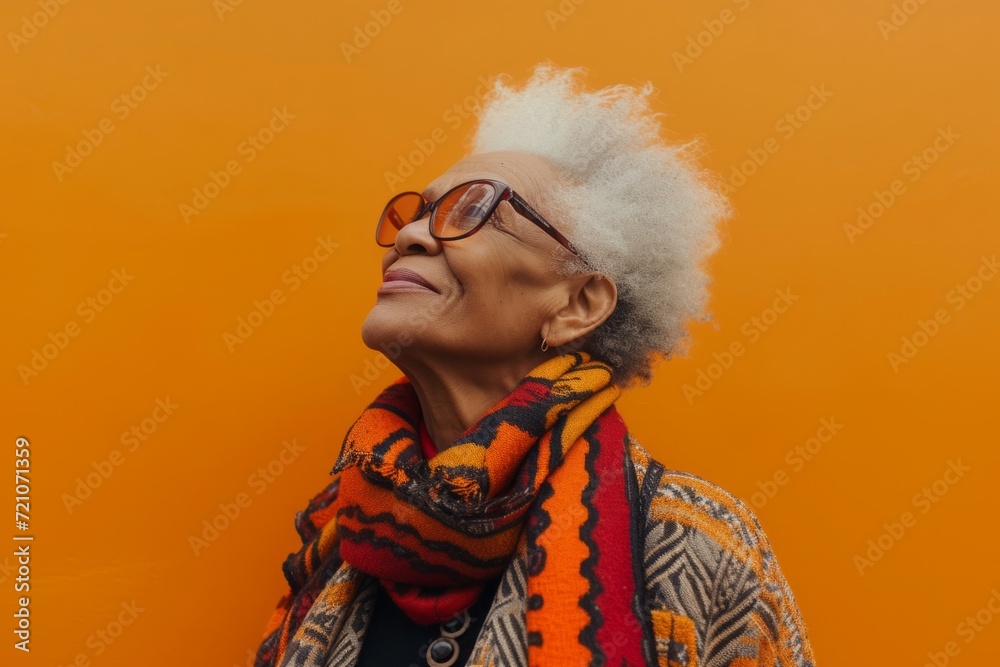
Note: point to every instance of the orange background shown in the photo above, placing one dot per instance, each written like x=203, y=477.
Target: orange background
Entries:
x=161, y=336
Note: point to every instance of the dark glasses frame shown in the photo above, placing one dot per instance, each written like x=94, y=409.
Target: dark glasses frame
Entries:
x=506, y=193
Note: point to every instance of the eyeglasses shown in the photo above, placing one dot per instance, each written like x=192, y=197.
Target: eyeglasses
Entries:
x=458, y=213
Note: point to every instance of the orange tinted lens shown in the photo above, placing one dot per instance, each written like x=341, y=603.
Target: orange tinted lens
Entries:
x=463, y=210
x=402, y=211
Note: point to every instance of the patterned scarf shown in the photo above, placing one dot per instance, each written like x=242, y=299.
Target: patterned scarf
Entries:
x=548, y=460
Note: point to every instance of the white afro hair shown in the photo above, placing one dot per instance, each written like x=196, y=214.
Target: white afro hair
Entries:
x=641, y=210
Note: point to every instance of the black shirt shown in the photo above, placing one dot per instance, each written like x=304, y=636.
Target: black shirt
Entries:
x=393, y=640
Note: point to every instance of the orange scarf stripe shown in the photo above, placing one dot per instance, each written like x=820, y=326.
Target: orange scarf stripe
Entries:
x=561, y=582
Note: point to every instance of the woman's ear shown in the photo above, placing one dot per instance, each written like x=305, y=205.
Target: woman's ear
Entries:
x=590, y=300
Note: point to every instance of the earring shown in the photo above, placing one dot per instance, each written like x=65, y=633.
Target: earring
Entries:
x=545, y=345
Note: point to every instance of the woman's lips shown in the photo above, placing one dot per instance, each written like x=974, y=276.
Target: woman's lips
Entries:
x=402, y=286
x=397, y=280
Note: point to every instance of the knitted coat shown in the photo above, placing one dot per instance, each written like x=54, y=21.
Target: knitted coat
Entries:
x=715, y=593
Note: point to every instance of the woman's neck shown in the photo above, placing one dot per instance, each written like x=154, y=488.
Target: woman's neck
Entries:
x=455, y=395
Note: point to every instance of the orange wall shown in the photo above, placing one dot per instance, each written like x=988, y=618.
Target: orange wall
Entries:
x=201, y=78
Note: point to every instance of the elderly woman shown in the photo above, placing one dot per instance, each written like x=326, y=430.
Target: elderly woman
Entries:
x=490, y=507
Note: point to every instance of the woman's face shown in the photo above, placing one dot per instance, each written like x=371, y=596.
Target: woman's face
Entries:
x=492, y=291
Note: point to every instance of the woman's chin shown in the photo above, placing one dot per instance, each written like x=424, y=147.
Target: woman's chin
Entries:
x=385, y=324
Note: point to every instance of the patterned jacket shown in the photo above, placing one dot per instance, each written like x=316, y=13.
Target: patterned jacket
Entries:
x=715, y=593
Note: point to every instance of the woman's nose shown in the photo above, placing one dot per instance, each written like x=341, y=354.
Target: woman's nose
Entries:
x=415, y=238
